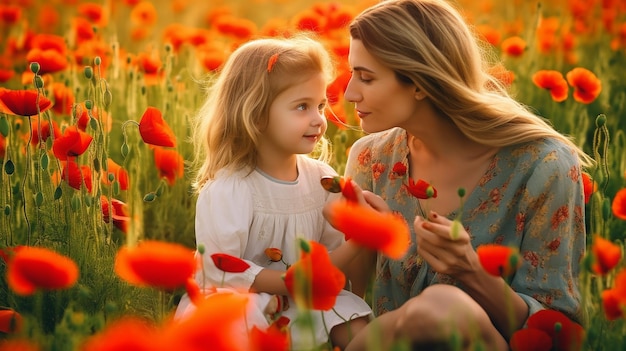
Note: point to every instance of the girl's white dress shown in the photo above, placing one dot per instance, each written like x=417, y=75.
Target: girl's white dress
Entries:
x=244, y=213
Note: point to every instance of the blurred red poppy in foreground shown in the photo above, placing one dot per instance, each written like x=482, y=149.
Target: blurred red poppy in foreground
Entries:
x=33, y=268
x=566, y=334
x=383, y=231
x=606, y=255
x=552, y=81
x=154, y=130
x=127, y=333
x=270, y=339
x=23, y=102
x=498, y=260
x=10, y=321
x=614, y=299
x=313, y=279
x=155, y=263
x=229, y=263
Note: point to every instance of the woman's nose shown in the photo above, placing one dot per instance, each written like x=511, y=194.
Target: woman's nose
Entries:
x=351, y=94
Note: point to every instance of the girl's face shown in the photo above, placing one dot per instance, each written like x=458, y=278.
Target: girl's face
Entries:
x=296, y=118
x=381, y=101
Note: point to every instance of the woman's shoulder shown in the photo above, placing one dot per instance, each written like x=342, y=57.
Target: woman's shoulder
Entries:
x=544, y=153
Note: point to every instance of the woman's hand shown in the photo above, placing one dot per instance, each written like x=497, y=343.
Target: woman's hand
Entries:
x=448, y=250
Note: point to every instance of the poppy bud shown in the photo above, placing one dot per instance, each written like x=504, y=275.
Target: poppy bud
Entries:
x=88, y=72
x=35, y=67
x=600, y=120
x=97, y=60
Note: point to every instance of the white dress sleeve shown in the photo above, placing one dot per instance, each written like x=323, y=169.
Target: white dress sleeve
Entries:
x=224, y=213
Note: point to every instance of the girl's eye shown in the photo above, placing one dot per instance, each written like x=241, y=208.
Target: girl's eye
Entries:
x=321, y=107
x=301, y=107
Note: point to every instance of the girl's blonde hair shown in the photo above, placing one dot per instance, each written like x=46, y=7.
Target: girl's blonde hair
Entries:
x=427, y=43
x=236, y=111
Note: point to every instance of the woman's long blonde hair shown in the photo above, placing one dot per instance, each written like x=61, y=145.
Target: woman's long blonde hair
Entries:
x=236, y=111
x=428, y=43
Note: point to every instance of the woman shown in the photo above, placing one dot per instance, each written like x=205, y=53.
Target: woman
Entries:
x=421, y=90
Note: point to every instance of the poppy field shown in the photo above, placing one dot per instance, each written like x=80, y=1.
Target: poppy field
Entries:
x=96, y=206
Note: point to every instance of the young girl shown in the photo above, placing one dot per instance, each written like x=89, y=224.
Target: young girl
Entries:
x=258, y=189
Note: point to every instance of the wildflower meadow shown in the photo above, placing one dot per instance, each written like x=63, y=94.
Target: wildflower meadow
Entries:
x=96, y=205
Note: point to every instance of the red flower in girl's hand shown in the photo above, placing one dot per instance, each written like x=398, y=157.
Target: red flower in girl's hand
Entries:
x=498, y=260
x=314, y=278
x=340, y=184
x=229, y=263
x=154, y=130
x=421, y=189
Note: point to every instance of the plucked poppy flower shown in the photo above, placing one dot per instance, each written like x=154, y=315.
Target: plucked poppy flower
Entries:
x=566, y=334
x=619, y=204
x=33, y=268
x=607, y=255
x=169, y=163
x=552, y=81
x=530, y=339
x=421, y=189
x=127, y=333
x=76, y=175
x=73, y=142
x=586, y=85
x=50, y=61
x=10, y=321
x=229, y=263
x=274, y=254
x=23, y=102
x=270, y=339
x=513, y=46
x=589, y=186
x=155, y=263
x=313, y=279
x=120, y=211
x=383, y=231
x=154, y=130
x=215, y=324
x=499, y=260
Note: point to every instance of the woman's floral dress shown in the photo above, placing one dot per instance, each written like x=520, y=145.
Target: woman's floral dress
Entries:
x=531, y=197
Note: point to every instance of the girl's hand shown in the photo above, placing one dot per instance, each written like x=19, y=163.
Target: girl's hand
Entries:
x=435, y=243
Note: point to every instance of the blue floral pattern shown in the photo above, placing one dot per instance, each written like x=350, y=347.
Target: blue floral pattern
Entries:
x=531, y=197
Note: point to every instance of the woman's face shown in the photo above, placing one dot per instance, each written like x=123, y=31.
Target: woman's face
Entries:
x=381, y=101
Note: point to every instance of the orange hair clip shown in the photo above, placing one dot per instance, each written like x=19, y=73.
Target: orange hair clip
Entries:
x=271, y=62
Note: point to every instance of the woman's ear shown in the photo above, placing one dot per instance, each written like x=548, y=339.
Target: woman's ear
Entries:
x=419, y=94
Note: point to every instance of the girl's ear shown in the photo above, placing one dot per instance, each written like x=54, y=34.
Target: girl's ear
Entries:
x=419, y=94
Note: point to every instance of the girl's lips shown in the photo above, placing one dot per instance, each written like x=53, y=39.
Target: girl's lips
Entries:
x=362, y=114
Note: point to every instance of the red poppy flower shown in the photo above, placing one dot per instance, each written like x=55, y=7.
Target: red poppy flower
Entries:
x=47, y=129
x=76, y=175
x=499, y=260
x=215, y=324
x=50, y=60
x=144, y=14
x=154, y=130
x=376, y=230
x=73, y=142
x=240, y=28
x=612, y=304
x=314, y=280
x=169, y=163
x=586, y=85
x=607, y=255
x=127, y=333
x=154, y=263
x=63, y=98
x=10, y=321
x=421, y=189
x=566, y=334
x=399, y=169
x=93, y=12
x=530, y=339
x=83, y=30
x=552, y=81
x=502, y=74
x=274, y=254
x=229, y=263
x=120, y=213
x=46, y=41
x=23, y=102
x=193, y=291
x=513, y=46
x=270, y=339
x=118, y=172
x=10, y=14
x=589, y=186
x=33, y=268
x=619, y=204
